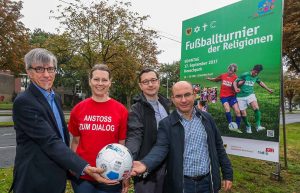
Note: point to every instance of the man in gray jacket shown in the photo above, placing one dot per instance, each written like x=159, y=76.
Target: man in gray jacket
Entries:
x=193, y=146
x=148, y=109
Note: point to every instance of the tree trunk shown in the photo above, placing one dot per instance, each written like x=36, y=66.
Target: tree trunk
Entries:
x=290, y=104
x=128, y=101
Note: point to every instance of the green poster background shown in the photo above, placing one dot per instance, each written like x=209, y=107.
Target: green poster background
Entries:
x=245, y=33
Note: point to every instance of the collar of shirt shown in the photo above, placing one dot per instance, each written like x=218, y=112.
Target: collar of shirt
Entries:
x=193, y=115
x=48, y=95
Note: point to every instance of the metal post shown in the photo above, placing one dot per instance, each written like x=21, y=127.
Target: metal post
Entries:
x=167, y=87
x=283, y=123
x=276, y=175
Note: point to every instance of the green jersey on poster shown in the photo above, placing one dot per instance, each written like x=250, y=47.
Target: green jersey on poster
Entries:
x=248, y=87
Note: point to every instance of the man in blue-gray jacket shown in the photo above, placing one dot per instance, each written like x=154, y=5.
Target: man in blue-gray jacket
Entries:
x=191, y=143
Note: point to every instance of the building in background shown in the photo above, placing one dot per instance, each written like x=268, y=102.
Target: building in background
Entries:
x=9, y=86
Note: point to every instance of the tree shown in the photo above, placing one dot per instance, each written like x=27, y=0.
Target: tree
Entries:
x=291, y=87
x=70, y=73
x=291, y=35
x=296, y=100
x=169, y=75
x=101, y=32
x=125, y=81
x=39, y=38
x=111, y=34
x=13, y=36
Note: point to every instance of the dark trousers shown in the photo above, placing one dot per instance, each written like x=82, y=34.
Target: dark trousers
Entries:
x=151, y=184
x=198, y=186
x=85, y=186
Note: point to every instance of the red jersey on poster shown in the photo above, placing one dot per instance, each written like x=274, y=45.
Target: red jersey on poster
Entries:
x=227, y=85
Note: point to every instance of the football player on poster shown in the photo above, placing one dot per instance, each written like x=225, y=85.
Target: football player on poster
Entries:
x=227, y=96
x=244, y=87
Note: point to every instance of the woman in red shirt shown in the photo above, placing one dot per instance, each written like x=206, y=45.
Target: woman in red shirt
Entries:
x=94, y=123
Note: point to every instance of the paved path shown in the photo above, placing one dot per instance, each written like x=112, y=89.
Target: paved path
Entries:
x=5, y=112
x=7, y=146
x=291, y=118
x=8, y=118
x=5, y=119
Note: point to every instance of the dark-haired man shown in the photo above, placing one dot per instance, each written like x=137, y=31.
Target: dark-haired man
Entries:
x=148, y=109
x=244, y=87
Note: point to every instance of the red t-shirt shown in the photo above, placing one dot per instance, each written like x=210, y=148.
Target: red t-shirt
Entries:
x=97, y=124
x=226, y=86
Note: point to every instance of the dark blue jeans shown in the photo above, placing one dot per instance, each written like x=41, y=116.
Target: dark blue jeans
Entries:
x=193, y=186
x=85, y=186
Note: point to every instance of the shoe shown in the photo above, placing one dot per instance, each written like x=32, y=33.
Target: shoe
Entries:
x=248, y=129
x=235, y=129
x=260, y=128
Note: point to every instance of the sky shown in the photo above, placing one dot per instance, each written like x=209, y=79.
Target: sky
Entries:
x=166, y=17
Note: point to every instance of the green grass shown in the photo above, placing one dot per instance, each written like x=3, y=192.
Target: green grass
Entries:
x=250, y=175
x=6, y=114
x=293, y=112
x=6, y=106
x=9, y=124
x=6, y=124
x=5, y=179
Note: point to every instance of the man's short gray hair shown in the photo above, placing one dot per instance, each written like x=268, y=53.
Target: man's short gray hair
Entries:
x=39, y=56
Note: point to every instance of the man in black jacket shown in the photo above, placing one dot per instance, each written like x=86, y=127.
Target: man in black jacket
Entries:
x=148, y=109
x=193, y=146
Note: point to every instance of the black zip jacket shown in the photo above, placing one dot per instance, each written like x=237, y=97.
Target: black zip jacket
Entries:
x=142, y=126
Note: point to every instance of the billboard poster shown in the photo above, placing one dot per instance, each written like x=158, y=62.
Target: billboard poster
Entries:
x=232, y=56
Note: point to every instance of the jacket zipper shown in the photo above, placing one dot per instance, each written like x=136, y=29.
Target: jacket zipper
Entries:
x=211, y=181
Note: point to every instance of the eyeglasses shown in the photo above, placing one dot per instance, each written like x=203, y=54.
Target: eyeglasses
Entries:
x=146, y=82
x=40, y=69
x=180, y=96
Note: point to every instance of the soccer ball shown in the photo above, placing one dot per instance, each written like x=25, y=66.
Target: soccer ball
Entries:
x=116, y=160
x=233, y=126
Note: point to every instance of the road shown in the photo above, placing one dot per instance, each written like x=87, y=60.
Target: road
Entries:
x=291, y=118
x=7, y=146
x=8, y=141
x=9, y=118
x=5, y=112
x=5, y=119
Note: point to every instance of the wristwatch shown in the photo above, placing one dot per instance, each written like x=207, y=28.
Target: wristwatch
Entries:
x=145, y=174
